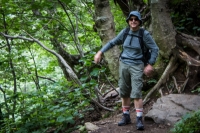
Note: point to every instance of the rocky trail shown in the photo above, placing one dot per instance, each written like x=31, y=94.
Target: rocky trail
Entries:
x=109, y=125
x=167, y=110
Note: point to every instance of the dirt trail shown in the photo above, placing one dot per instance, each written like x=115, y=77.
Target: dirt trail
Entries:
x=109, y=125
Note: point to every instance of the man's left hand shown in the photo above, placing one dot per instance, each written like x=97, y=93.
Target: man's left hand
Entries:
x=148, y=70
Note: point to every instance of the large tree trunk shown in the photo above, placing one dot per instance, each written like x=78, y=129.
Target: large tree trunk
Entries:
x=163, y=29
x=105, y=26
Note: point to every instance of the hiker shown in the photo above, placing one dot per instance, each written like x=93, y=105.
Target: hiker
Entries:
x=132, y=67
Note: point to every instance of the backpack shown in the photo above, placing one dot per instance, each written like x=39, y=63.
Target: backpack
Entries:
x=145, y=51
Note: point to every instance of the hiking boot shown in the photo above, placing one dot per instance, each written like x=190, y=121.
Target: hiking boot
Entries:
x=139, y=123
x=125, y=120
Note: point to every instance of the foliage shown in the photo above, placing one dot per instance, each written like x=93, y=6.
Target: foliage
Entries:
x=145, y=1
x=185, y=16
x=188, y=124
x=53, y=107
x=197, y=90
x=152, y=81
x=35, y=96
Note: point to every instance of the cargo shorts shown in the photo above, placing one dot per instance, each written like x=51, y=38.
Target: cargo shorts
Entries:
x=130, y=80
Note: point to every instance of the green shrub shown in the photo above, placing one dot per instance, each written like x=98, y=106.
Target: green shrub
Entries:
x=188, y=124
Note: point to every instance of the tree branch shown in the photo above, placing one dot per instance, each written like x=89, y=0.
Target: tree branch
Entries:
x=72, y=75
x=47, y=78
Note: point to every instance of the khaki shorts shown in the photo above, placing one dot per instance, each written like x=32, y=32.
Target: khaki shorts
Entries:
x=130, y=80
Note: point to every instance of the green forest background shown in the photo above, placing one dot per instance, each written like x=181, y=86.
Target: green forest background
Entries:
x=35, y=94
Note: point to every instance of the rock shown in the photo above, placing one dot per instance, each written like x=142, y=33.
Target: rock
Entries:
x=112, y=94
x=91, y=127
x=170, y=109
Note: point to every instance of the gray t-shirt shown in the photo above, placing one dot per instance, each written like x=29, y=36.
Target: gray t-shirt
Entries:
x=132, y=52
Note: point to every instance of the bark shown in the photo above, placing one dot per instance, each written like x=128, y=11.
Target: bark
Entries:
x=104, y=24
x=187, y=58
x=162, y=27
x=128, y=5
x=192, y=42
x=71, y=60
x=1, y=117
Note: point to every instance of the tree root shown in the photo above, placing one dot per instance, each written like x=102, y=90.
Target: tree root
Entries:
x=195, y=86
x=171, y=67
x=183, y=85
x=101, y=106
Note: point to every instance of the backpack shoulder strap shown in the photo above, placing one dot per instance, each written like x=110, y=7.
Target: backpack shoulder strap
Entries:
x=141, y=33
x=124, y=37
x=126, y=33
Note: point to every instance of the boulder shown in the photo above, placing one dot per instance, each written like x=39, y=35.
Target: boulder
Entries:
x=170, y=109
x=91, y=127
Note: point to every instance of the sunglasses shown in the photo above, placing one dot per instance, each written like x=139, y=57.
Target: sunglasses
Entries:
x=135, y=19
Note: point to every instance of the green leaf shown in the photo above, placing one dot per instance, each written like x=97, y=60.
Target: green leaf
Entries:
x=87, y=63
x=70, y=120
x=145, y=1
x=95, y=72
x=62, y=109
x=103, y=69
x=61, y=119
x=67, y=1
x=195, y=27
x=93, y=82
x=84, y=78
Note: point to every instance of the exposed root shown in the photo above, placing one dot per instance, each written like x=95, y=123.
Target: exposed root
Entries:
x=171, y=67
x=101, y=106
x=195, y=86
x=182, y=88
x=187, y=58
x=176, y=85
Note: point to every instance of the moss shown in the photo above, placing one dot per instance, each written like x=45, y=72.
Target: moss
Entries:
x=160, y=66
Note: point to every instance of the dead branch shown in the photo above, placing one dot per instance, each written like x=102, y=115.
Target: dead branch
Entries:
x=190, y=41
x=110, y=84
x=195, y=86
x=160, y=91
x=97, y=92
x=47, y=78
x=98, y=104
x=169, y=91
x=183, y=85
x=185, y=57
x=102, y=87
x=175, y=83
x=187, y=71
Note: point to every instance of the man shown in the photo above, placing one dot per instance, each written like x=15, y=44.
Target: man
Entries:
x=132, y=67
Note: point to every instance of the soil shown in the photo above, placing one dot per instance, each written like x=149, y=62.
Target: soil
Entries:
x=109, y=125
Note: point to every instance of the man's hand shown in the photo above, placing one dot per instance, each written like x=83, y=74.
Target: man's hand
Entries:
x=97, y=57
x=148, y=70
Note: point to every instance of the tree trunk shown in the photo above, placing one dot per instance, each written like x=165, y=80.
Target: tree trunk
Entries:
x=105, y=26
x=162, y=26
